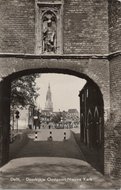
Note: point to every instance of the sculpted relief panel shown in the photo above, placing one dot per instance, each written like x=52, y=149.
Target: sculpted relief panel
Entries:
x=49, y=28
x=49, y=32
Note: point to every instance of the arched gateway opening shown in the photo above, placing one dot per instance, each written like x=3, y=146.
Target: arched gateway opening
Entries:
x=91, y=136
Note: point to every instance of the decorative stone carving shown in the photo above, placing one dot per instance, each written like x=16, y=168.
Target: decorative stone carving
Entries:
x=49, y=27
x=49, y=37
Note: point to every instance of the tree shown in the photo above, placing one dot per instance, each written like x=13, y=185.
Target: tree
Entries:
x=56, y=118
x=24, y=91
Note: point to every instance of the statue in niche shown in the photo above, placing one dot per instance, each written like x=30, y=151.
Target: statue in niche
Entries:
x=49, y=33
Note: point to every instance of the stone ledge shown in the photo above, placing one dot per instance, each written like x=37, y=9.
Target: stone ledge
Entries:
x=58, y=56
x=114, y=54
x=64, y=56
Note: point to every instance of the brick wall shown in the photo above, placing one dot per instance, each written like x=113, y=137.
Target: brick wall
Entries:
x=113, y=138
x=115, y=123
x=86, y=26
x=115, y=25
x=17, y=26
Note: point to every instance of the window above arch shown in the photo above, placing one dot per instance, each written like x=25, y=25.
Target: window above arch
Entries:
x=49, y=27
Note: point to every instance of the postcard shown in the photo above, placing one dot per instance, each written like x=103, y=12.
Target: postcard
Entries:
x=60, y=94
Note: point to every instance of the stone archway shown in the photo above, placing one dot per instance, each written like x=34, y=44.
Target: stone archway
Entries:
x=5, y=110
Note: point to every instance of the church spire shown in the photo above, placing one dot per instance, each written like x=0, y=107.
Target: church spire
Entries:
x=49, y=104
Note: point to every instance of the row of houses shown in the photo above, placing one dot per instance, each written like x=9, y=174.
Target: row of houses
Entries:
x=34, y=118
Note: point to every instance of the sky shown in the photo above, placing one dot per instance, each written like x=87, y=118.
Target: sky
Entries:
x=64, y=89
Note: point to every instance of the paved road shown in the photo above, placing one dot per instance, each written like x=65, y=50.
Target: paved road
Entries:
x=51, y=165
x=58, y=147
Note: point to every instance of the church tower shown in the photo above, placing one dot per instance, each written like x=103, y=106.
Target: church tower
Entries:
x=49, y=104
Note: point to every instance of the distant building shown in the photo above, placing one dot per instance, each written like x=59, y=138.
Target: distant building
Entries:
x=49, y=103
x=45, y=117
x=67, y=119
x=49, y=118
x=23, y=121
x=91, y=116
x=73, y=111
x=46, y=114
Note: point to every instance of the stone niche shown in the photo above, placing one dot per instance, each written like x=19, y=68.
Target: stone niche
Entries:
x=49, y=38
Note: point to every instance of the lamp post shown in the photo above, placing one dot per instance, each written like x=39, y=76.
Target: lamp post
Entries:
x=17, y=117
